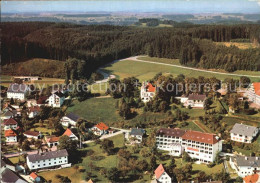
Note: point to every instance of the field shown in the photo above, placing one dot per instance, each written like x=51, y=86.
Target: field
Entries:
x=239, y=45
x=146, y=71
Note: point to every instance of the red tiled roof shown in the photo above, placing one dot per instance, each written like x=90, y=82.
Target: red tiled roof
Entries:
x=159, y=171
x=10, y=121
x=102, y=126
x=68, y=132
x=10, y=133
x=150, y=87
x=42, y=99
x=33, y=175
x=31, y=133
x=251, y=178
x=200, y=137
x=34, y=109
x=257, y=88
x=54, y=139
x=175, y=132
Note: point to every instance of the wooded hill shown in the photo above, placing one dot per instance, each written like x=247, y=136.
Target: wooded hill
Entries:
x=100, y=44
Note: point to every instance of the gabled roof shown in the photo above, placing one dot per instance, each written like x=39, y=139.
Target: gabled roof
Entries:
x=175, y=132
x=73, y=116
x=52, y=139
x=10, y=121
x=18, y=88
x=34, y=109
x=90, y=181
x=33, y=175
x=32, y=133
x=68, y=132
x=5, y=161
x=257, y=88
x=47, y=155
x=247, y=161
x=159, y=171
x=59, y=94
x=196, y=97
x=150, y=87
x=10, y=133
x=10, y=176
x=243, y=129
x=42, y=100
x=137, y=131
x=102, y=126
x=8, y=113
x=208, y=138
x=252, y=178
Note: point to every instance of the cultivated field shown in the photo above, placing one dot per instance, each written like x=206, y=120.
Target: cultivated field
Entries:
x=239, y=45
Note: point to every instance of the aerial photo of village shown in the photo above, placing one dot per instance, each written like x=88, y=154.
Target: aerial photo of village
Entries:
x=142, y=91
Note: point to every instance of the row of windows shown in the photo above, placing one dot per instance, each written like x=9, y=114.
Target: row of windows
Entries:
x=49, y=159
x=49, y=164
x=201, y=147
x=168, y=138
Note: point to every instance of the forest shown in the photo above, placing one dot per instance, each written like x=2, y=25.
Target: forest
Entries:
x=98, y=45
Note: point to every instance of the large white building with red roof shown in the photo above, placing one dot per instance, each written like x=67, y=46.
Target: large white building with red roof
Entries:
x=161, y=175
x=253, y=93
x=148, y=91
x=200, y=146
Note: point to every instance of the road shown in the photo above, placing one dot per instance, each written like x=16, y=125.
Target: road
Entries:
x=135, y=58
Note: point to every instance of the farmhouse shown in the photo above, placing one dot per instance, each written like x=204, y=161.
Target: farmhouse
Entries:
x=52, y=140
x=137, y=134
x=71, y=135
x=32, y=135
x=253, y=93
x=161, y=175
x=10, y=124
x=17, y=91
x=245, y=165
x=69, y=119
x=34, y=177
x=33, y=111
x=195, y=101
x=47, y=159
x=10, y=136
x=100, y=129
x=56, y=99
x=148, y=91
x=243, y=133
x=27, y=78
x=8, y=173
x=200, y=146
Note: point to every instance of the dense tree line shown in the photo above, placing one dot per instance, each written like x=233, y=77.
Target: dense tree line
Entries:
x=100, y=44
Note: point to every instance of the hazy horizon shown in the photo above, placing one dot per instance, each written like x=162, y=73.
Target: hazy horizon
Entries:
x=134, y=6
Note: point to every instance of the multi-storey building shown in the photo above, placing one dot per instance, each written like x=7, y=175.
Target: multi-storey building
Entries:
x=56, y=99
x=243, y=133
x=245, y=165
x=17, y=91
x=69, y=119
x=47, y=159
x=253, y=93
x=200, y=146
x=161, y=175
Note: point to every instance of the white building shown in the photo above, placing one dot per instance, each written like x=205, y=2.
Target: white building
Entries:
x=47, y=159
x=71, y=135
x=70, y=119
x=27, y=78
x=100, y=129
x=56, y=99
x=33, y=111
x=52, y=140
x=136, y=135
x=200, y=146
x=10, y=136
x=10, y=124
x=245, y=165
x=148, y=91
x=243, y=133
x=253, y=93
x=32, y=135
x=193, y=100
x=18, y=91
x=161, y=175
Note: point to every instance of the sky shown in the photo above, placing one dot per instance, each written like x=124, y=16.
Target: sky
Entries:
x=137, y=6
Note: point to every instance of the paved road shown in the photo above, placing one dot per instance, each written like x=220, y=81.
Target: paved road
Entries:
x=184, y=67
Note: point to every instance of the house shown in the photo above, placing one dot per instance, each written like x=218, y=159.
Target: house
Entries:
x=7, y=115
x=253, y=93
x=254, y=178
x=137, y=134
x=52, y=140
x=56, y=99
x=200, y=146
x=9, y=175
x=243, y=133
x=42, y=100
x=148, y=91
x=32, y=134
x=10, y=124
x=100, y=129
x=33, y=111
x=69, y=119
x=47, y=159
x=17, y=91
x=6, y=163
x=71, y=135
x=244, y=165
x=195, y=101
x=34, y=177
x=10, y=136
x=161, y=175
x=27, y=78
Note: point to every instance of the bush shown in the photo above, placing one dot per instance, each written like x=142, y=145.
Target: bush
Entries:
x=211, y=165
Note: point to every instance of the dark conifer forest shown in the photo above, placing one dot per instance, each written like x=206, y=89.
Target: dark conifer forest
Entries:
x=100, y=44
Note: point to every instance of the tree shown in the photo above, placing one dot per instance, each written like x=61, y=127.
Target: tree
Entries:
x=244, y=81
x=107, y=145
x=124, y=109
x=12, y=101
x=186, y=157
x=113, y=174
x=26, y=145
x=66, y=143
x=124, y=154
x=153, y=163
x=218, y=159
x=38, y=144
